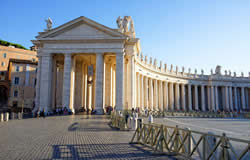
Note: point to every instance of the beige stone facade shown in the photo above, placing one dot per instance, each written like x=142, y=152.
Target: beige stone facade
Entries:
x=83, y=64
x=22, y=74
x=7, y=53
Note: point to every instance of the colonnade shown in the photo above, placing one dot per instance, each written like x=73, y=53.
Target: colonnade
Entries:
x=70, y=86
x=161, y=95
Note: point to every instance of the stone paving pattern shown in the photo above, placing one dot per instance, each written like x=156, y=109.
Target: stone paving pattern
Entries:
x=68, y=137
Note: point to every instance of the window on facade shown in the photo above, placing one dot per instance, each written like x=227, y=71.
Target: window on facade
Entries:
x=15, y=93
x=16, y=80
x=4, y=55
x=2, y=64
x=17, y=68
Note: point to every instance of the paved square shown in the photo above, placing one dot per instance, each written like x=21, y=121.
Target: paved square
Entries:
x=68, y=137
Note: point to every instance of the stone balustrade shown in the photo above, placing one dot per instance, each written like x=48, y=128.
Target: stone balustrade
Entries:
x=159, y=68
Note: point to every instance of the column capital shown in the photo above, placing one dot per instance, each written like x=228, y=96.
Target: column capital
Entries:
x=46, y=55
x=99, y=53
x=67, y=55
x=121, y=53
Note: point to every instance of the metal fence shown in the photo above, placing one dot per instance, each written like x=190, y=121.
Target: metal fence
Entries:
x=118, y=121
x=191, y=144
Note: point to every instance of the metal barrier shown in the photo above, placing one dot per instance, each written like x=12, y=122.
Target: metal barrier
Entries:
x=118, y=121
x=191, y=144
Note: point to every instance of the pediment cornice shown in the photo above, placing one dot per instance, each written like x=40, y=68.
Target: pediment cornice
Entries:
x=51, y=34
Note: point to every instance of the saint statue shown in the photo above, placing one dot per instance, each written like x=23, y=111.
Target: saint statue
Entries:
x=125, y=23
x=119, y=22
x=132, y=29
x=218, y=70
x=49, y=24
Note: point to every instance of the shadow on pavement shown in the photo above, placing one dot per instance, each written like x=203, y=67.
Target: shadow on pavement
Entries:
x=103, y=151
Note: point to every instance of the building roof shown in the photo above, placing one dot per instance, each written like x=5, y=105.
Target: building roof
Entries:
x=17, y=50
x=22, y=61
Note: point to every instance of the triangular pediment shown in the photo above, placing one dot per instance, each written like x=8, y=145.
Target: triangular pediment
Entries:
x=81, y=28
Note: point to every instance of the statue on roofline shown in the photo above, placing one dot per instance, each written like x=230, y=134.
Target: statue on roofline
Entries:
x=218, y=70
x=126, y=25
x=126, y=21
x=119, y=22
x=49, y=24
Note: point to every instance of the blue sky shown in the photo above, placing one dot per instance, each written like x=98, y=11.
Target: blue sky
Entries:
x=192, y=33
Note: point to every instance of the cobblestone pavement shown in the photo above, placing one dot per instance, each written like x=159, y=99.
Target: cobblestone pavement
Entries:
x=68, y=137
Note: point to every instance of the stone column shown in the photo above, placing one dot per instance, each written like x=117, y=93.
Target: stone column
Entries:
x=138, y=91
x=235, y=99
x=177, y=97
x=196, y=97
x=160, y=96
x=93, y=90
x=85, y=86
x=99, y=83
x=216, y=98
x=243, y=102
x=246, y=100
x=151, y=95
x=155, y=95
x=38, y=78
x=45, y=90
x=171, y=96
x=111, y=85
x=183, y=97
x=212, y=98
x=189, y=98
x=72, y=88
x=165, y=96
x=119, y=81
x=54, y=80
x=66, y=81
x=133, y=82
x=231, y=98
x=142, y=92
x=126, y=72
x=203, y=98
x=114, y=82
x=209, y=98
x=146, y=93
x=90, y=93
x=226, y=98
